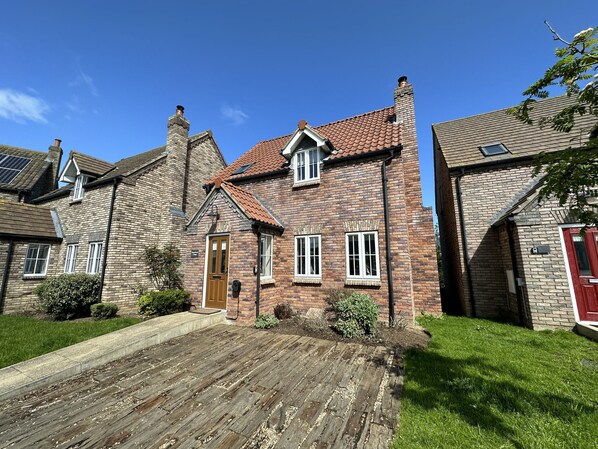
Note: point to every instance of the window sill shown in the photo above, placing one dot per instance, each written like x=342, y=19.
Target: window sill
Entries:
x=307, y=280
x=363, y=282
x=267, y=281
x=76, y=201
x=33, y=277
x=310, y=182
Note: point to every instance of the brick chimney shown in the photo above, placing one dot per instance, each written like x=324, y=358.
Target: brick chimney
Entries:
x=404, y=110
x=55, y=156
x=176, y=146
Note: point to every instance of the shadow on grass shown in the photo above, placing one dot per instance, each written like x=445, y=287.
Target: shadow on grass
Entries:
x=486, y=398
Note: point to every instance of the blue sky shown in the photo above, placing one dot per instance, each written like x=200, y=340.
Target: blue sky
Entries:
x=104, y=76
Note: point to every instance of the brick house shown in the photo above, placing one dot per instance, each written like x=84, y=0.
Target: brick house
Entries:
x=303, y=213
x=108, y=213
x=504, y=253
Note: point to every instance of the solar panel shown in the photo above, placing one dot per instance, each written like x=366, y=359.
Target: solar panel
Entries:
x=11, y=166
x=14, y=162
x=7, y=175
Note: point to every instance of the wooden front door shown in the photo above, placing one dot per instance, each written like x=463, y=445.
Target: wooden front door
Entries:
x=217, y=278
x=582, y=253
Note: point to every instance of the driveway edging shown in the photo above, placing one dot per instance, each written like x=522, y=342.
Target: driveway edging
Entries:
x=64, y=363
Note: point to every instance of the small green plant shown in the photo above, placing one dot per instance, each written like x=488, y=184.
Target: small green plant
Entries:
x=266, y=321
x=69, y=296
x=283, y=311
x=164, y=302
x=359, y=310
x=163, y=266
x=348, y=329
x=103, y=311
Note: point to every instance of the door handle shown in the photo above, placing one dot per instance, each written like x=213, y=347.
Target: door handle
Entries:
x=593, y=281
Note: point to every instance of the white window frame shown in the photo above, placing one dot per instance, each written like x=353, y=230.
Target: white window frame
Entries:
x=308, y=256
x=308, y=155
x=79, y=191
x=45, y=261
x=361, y=245
x=94, y=257
x=70, y=262
x=266, y=256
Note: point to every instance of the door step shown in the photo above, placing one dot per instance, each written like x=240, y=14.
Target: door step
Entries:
x=202, y=311
x=587, y=330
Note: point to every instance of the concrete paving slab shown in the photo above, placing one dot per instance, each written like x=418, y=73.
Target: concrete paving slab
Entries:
x=59, y=365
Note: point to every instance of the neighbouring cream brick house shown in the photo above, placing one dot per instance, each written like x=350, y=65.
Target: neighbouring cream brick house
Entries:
x=104, y=216
x=504, y=252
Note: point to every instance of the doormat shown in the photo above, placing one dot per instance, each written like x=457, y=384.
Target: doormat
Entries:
x=205, y=311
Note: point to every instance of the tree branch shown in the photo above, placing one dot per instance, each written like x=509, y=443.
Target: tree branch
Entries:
x=556, y=35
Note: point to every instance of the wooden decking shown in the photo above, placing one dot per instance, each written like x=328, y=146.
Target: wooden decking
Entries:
x=222, y=387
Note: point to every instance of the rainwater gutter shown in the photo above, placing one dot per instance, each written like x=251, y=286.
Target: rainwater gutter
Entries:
x=464, y=240
x=5, y=273
x=108, y=229
x=391, y=299
x=510, y=223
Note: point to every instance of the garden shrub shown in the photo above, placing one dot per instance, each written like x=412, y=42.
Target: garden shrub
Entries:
x=163, y=266
x=348, y=329
x=361, y=309
x=163, y=302
x=103, y=311
x=69, y=296
x=334, y=295
x=283, y=311
x=266, y=321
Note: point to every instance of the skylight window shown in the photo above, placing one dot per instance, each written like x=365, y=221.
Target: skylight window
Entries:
x=242, y=169
x=11, y=166
x=493, y=149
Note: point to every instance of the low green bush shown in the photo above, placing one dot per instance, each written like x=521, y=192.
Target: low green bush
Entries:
x=104, y=311
x=266, y=321
x=358, y=308
x=348, y=329
x=69, y=296
x=163, y=302
x=283, y=311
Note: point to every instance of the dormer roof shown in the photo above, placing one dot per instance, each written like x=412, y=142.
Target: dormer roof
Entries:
x=80, y=163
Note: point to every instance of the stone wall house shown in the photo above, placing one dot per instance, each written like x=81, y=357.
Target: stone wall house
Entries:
x=27, y=174
x=303, y=213
x=504, y=253
x=109, y=213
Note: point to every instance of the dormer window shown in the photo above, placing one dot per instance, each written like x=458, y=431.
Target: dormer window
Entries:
x=78, y=191
x=307, y=165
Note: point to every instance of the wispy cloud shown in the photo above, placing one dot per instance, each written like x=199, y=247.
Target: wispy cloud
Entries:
x=234, y=114
x=74, y=105
x=21, y=107
x=83, y=79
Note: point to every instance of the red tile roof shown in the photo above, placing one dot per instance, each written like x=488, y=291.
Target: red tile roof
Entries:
x=360, y=134
x=250, y=205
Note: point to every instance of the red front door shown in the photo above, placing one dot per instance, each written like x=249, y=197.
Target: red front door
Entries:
x=582, y=253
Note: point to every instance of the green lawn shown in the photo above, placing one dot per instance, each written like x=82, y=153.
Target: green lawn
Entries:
x=482, y=384
x=22, y=338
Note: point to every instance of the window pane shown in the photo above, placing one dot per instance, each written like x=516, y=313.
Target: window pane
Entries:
x=371, y=268
x=266, y=255
x=353, y=255
x=300, y=255
x=581, y=253
x=214, y=252
x=314, y=253
x=29, y=266
x=98, y=257
x=223, y=259
x=313, y=164
x=300, y=166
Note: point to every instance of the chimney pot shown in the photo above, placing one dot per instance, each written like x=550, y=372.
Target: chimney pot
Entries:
x=180, y=110
x=57, y=143
x=402, y=81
